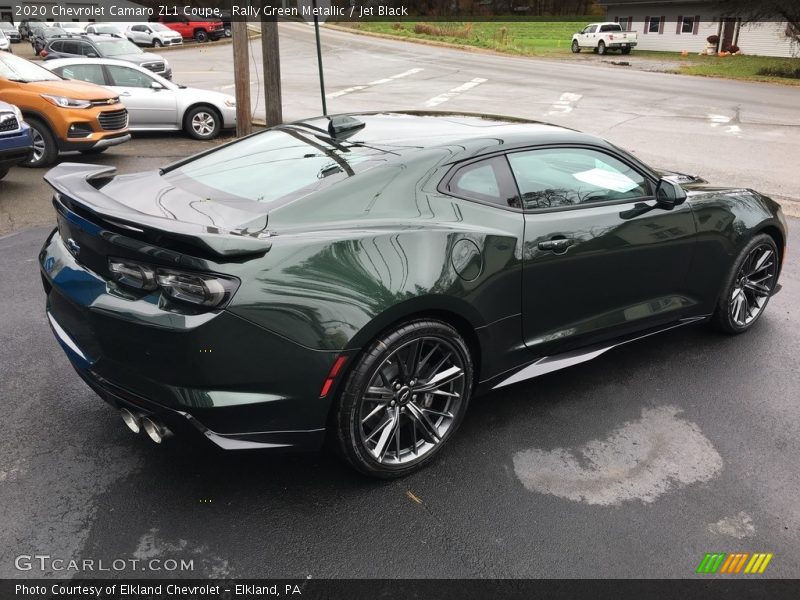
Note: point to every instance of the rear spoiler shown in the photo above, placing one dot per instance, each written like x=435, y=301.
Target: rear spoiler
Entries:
x=74, y=180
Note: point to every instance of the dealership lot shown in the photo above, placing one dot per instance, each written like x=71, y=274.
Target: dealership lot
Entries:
x=635, y=464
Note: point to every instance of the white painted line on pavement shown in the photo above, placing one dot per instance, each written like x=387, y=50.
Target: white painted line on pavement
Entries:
x=436, y=100
x=357, y=88
x=564, y=104
x=717, y=120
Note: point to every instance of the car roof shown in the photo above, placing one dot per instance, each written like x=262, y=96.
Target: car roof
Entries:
x=83, y=60
x=470, y=133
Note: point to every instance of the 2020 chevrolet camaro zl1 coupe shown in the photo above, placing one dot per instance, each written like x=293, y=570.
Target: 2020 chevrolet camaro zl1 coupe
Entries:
x=362, y=276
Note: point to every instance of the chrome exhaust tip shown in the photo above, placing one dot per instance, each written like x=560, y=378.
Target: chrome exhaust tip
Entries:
x=155, y=430
x=131, y=420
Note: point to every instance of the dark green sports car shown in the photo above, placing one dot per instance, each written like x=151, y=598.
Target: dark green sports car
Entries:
x=360, y=277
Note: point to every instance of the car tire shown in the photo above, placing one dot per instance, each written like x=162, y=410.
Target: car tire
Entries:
x=202, y=123
x=575, y=47
x=201, y=36
x=227, y=31
x=626, y=50
x=389, y=420
x=601, y=47
x=45, y=149
x=748, y=286
x=157, y=44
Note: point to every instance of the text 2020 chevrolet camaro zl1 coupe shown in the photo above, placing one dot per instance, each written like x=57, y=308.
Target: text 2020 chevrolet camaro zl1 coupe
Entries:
x=364, y=275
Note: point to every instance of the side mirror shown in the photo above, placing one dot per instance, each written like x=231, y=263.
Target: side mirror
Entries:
x=156, y=86
x=669, y=194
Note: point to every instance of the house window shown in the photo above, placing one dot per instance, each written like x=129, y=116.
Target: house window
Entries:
x=625, y=23
x=654, y=25
x=688, y=25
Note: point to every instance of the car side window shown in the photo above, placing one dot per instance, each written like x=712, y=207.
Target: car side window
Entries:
x=137, y=28
x=564, y=177
x=83, y=72
x=487, y=181
x=57, y=47
x=127, y=77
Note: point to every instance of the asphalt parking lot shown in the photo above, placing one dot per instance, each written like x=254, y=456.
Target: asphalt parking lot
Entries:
x=633, y=465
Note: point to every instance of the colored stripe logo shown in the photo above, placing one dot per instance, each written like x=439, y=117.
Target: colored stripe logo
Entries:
x=734, y=563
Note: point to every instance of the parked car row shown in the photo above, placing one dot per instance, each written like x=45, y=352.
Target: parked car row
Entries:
x=169, y=30
x=90, y=104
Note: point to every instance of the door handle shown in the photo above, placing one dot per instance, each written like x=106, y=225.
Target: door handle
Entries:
x=557, y=246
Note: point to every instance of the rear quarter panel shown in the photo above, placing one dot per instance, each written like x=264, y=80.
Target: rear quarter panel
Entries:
x=348, y=263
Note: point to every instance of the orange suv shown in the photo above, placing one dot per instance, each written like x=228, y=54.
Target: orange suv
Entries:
x=64, y=115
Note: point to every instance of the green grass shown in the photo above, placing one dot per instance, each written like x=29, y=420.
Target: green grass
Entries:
x=529, y=38
x=552, y=39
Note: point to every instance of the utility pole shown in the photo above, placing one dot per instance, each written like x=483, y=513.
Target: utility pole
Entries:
x=319, y=61
x=271, y=60
x=241, y=78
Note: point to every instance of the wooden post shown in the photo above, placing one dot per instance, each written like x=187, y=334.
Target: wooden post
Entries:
x=241, y=78
x=271, y=60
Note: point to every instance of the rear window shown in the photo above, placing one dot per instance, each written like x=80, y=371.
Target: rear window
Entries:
x=279, y=164
x=611, y=28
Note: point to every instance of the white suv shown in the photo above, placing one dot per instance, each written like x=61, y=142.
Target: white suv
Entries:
x=153, y=34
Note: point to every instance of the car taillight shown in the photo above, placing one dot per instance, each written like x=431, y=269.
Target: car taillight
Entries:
x=43, y=53
x=205, y=290
x=611, y=36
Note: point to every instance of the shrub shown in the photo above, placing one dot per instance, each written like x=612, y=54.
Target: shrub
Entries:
x=445, y=30
x=713, y=39
x=788, y=71
x=398, y=26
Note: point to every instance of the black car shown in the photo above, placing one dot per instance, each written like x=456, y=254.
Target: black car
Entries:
x=106, y=46
x=41, y=36
x=11, y=32
x=361, y=277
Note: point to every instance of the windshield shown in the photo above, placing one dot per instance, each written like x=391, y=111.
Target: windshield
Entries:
x=107, y=29
x=274, y=165
x=49, y=32
x=7, y=26
x=159, y=27
x=116, y=47
x=14, y=68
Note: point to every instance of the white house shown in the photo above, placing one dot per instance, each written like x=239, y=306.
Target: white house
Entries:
x=678, y=25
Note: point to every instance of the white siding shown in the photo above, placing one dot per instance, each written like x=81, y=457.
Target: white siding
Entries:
x=764, y=39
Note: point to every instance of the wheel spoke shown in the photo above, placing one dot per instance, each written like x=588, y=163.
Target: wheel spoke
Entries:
x=374, y=412
x=387, y=433
x=421, y=420
x=447, y=415
x=440, y=379
x=378, y=394
x=757, y=288
x=760, y=263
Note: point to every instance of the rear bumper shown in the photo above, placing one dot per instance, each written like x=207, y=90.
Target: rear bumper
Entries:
x=620, y=44
x=214, y=375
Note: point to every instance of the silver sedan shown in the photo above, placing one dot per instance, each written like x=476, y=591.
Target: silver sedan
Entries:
x=154, y=103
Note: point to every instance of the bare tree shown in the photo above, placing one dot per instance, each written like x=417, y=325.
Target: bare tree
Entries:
x=765, y=10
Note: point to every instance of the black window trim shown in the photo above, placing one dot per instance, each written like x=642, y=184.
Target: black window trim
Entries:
x=505, y=180
x=641, y=168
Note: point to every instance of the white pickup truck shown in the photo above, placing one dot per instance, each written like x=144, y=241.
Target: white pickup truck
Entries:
x=601, y=37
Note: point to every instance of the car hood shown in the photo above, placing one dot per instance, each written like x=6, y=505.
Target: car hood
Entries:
x=72, y=89
x=193, y=94
x=138, y=58
x=224, y=226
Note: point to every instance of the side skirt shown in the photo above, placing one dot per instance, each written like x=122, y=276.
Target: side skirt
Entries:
x=556, y=362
